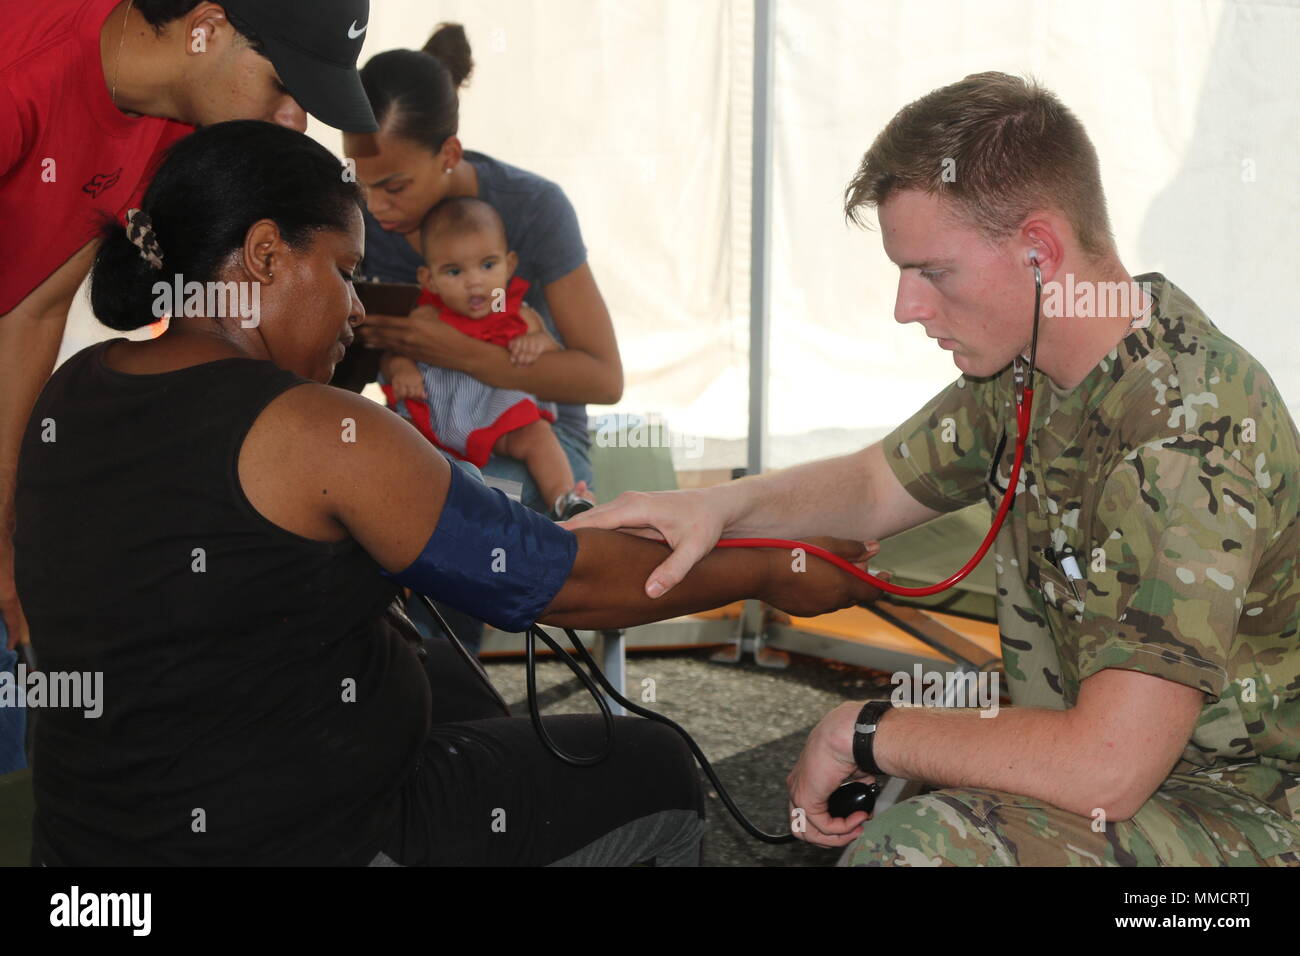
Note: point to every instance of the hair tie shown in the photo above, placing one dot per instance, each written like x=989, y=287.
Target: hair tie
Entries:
x=139, y=229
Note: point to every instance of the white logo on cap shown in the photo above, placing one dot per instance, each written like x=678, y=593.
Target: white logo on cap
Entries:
x=353, y=32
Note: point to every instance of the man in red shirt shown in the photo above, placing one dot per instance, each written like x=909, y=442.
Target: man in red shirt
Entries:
x=92, y=92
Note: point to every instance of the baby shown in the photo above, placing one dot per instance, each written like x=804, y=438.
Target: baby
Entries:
x=468, y=276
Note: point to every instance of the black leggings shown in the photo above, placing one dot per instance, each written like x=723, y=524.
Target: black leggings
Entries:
x=486, y=792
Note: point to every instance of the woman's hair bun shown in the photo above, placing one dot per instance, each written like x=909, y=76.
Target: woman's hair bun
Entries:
x=450, y=45
x=122, y=282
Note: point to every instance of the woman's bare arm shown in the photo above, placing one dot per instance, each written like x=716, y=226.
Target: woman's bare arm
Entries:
x=349, y=462
x=855, y=494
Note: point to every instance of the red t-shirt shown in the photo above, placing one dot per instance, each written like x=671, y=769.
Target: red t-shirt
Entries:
x=497, y=328
x=67, y=155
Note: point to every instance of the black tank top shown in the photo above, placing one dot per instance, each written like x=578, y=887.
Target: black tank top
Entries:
x=257, y=707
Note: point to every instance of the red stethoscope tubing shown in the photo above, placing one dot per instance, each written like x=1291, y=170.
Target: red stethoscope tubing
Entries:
x=1023, y=411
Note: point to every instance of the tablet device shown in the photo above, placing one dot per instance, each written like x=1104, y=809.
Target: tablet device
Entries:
x=360, y=365
x=388, y=298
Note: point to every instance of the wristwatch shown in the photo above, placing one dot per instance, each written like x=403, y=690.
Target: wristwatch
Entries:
x=864, y=735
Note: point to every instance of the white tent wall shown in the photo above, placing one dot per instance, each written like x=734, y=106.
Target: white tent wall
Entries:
x=1192, y=107
x=640, y=110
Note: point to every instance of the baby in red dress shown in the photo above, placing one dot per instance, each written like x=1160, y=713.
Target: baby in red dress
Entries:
x=468, y=276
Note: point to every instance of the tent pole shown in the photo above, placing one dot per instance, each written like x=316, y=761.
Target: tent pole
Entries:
x=751, y=632
x=760, y=236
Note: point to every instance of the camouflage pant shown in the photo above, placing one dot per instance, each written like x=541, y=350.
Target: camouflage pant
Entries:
x=1178, y=826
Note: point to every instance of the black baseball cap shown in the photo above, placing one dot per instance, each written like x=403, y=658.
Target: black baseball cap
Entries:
x=314, y=45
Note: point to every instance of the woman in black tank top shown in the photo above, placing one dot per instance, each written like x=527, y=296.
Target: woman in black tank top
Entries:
x=214, y=530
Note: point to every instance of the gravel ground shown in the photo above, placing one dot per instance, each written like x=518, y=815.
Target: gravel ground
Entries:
x=750, y=721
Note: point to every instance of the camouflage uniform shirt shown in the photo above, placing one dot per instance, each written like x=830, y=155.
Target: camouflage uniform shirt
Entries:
x=1170, y=473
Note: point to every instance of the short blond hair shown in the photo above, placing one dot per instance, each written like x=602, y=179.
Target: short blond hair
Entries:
x=995, y=147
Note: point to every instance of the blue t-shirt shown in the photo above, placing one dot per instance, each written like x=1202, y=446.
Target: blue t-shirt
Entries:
x=541, y=227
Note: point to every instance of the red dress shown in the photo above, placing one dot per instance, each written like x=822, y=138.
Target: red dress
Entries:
x=462, y=415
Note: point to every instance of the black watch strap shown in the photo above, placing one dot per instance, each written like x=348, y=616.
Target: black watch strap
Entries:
x=864, y=735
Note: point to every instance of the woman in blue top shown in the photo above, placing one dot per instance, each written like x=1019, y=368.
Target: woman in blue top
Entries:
x=414, y=162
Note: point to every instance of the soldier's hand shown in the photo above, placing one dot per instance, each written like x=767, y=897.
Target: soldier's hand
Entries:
x=690, y=521
x=825, y=763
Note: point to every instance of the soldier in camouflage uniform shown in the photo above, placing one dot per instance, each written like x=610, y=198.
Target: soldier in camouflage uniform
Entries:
x=1160, y=459
x=1171, y=471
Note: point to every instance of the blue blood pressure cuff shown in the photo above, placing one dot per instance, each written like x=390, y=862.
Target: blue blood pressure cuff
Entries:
x=491, y=557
